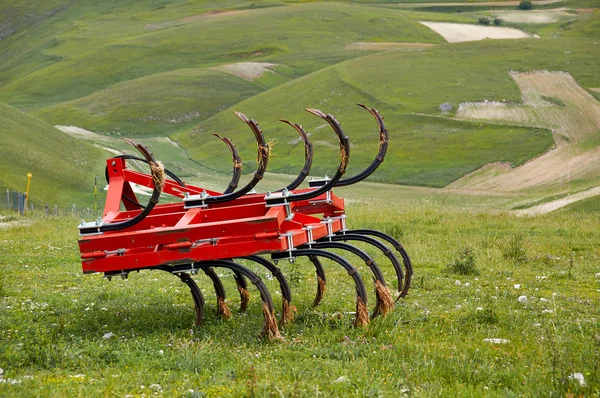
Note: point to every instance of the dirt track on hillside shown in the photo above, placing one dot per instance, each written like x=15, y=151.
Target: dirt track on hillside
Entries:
x=572, y=123
x=459, y=32
x=247, y=70
x=384, y=46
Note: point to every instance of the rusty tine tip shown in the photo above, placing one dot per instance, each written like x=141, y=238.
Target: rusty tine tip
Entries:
x=315, y=112
x=241, y=116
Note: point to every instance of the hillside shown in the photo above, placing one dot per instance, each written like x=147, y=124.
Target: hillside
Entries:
x=170, y=72
x=63, y=167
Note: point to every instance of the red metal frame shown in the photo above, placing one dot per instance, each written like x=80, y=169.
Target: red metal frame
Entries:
x=173, y=234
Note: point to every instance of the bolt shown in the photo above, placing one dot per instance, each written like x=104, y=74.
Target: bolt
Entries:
x=269, y=193
x=113, y=163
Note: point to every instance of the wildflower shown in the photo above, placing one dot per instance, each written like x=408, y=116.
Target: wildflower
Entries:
x=517, y=286
x=341, y=379
x=522, y=299
x=457, y=283
x=547, y=312
x=108, y=335
x=543, y=300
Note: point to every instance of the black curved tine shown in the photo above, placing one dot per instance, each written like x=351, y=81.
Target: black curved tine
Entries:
x=384, y=139
x=381, y=247
x=263, y=161
x=196, y=296
x=344, y=156
x=237, y=164
x=321, y=280
x=362, y=314
x=158, y=177
x=308, y=156
x=242, y=287
x=222, y=307
x=286, y=294
x=270, y=329
x=398, y=246
x=194, y=290
x=384, y=301
x=131, y=157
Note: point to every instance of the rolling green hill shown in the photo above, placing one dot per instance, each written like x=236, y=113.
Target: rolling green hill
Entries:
x=163, y=69
x=63, y=167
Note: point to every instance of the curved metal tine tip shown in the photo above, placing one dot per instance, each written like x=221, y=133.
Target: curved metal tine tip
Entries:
x=316, y=112
x=142, y=149
x=242, y=116
x=226, y=140
x=372, y=111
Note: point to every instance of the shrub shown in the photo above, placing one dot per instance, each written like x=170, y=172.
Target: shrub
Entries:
x=497, y=21
x=525, y=5
x=445, y=107
x=464, y=264
x=484, y=20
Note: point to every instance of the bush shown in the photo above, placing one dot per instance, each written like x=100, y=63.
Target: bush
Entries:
x=464, y=264
x=484, y=20
x=497, y=21
x=525, y=5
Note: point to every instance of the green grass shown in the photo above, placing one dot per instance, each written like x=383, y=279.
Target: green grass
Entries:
x=52, y=328
x=297, y=36
x=588, y=205
x=63, y=167
x=154, y=105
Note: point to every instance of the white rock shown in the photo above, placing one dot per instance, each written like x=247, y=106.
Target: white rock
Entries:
x=522, y=299
x=598, y=275
x=547, y=312
x=496, y=341
x=543, y=300
x=479, y=309
x=341, y=379
x=517, y=286
x=579, y=377
x=108, y=335
x=457, y=283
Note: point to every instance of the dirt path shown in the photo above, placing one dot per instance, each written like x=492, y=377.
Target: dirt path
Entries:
x=383, y=46
x=534, y=16
x=552, y=100
x=459, y=32
x=511, y=3
x=193, y=18
x=557, y=204
x=247, y=70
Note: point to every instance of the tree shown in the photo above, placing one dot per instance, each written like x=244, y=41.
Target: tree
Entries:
x=525, y=5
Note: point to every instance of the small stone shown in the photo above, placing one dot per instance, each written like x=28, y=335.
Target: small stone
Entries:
x=517, y=286
x=579, y=377
x=457, y=283
x=496, y=341
x=522, y=299
x=108, y=335
x=544, y=300
x=341, y=379
x=598, y=275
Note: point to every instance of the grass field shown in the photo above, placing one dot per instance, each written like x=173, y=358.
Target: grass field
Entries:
x=55, y=160
x=54, y=320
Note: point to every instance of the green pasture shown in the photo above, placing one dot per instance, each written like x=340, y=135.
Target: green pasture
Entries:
x=64, y=333
x=63, y=167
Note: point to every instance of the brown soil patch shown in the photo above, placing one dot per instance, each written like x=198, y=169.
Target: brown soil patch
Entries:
x=247, y=70
x=534, y=16
x=459, y=32
x=552, y=100
x=193, y=18
x=557, y=204
x=510, y=3
x=595, y=89
x=383, y=46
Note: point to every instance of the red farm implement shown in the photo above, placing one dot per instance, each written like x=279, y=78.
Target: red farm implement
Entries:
x=205, y=229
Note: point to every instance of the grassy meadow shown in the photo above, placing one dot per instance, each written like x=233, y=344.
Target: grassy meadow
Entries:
x=472, y=270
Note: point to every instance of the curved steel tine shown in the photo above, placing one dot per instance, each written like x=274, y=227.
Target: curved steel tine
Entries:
x=362, y=314
x=242, y=287
x=270, y=329
x=321, y=280
x=399, y=248
x=384, y=139
x=286, y=294
x=222, y=307
x=384, y=301
x=262, y=159
x=237, y=164
x=308, y=156
x=379, y=246
x=158, y=177
x=194, y=290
